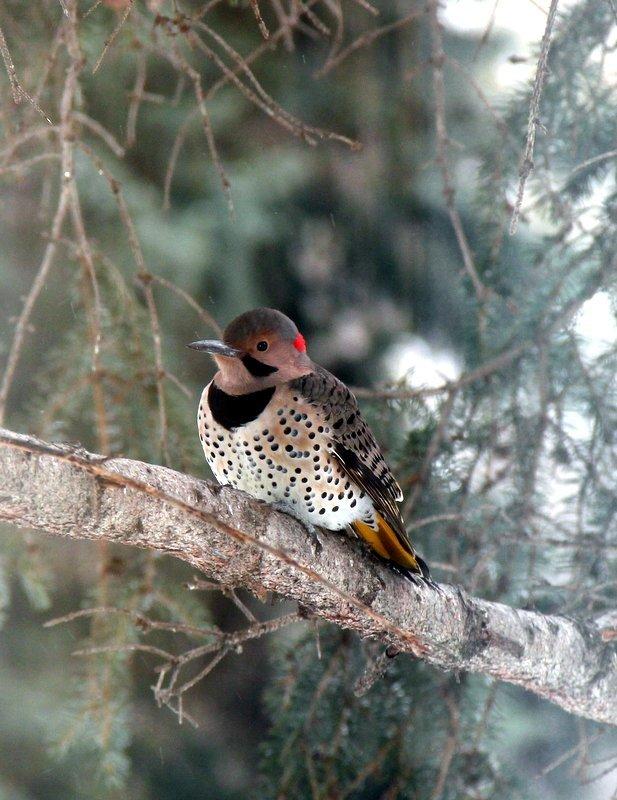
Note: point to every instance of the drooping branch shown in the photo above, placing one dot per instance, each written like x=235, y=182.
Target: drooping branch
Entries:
x=239, y=541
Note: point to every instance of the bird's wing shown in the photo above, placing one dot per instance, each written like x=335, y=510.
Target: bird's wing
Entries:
x=354, y=444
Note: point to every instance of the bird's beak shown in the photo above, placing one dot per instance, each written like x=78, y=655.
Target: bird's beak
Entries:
x=215, y=347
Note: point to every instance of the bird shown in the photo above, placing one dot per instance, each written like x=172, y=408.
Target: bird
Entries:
x=287, y=432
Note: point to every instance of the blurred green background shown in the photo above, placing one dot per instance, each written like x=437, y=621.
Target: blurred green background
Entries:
x=358, y=248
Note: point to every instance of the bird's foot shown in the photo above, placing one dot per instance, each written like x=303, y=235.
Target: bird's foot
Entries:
x=279, y=505
x=314, y=534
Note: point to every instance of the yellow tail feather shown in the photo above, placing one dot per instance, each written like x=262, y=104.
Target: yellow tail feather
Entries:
x=387, y=544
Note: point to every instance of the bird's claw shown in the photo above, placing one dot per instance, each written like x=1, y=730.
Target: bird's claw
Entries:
x=315, y=540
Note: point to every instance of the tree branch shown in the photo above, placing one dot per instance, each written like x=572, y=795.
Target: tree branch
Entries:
x=238, y=541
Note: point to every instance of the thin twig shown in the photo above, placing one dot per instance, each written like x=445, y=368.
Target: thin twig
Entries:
x=102, y=132
x=28, y=163
x=173, y=156
x=66, y=168
x=365, y=40
x=145, y=278
x=589, y=163
x=260, y=97
x=137, y=95
x=23, y=137
x=17, y=90
x=533, y=121
x=178, y=60
x=204, y=315
x=438, y=58
x=263, y=28
x=144, y=623
x=109, y=42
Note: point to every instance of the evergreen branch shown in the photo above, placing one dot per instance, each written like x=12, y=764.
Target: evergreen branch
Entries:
x=485, y=370
x=241, y=542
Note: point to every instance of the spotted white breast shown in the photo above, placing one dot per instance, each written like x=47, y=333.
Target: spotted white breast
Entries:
x=284, y=455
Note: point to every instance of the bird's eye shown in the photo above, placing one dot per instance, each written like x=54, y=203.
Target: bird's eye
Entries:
x=262, y=346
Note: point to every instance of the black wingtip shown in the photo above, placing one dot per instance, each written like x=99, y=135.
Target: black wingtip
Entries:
x=421, y=576
x=426, y=573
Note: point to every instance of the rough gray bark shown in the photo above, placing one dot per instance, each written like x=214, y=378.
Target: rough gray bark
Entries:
x=239, y=541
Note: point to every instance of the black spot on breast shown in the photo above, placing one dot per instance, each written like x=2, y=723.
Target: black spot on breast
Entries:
x=232, y=411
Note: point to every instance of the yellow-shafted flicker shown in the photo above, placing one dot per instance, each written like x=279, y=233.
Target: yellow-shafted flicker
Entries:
x=286, y=431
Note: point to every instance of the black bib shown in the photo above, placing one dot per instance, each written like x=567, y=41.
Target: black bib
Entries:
x=234, y=410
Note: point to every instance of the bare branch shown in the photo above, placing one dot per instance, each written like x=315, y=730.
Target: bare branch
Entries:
x=17, y=90
x=109, y=42
x=438, y=58
x=98, y=129
x=365, y=40
x=205, y=317
x=136, y=97
x=263, y=28
x=538, y=85
x=66, y=148
x=240, y=542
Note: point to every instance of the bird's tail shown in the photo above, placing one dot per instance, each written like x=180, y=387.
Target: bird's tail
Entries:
x=391, y=546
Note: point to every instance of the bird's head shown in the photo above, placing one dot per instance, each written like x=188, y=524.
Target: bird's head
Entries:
x=259, y=349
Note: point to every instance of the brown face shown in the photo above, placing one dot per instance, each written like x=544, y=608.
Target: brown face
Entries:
x=260, y=348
